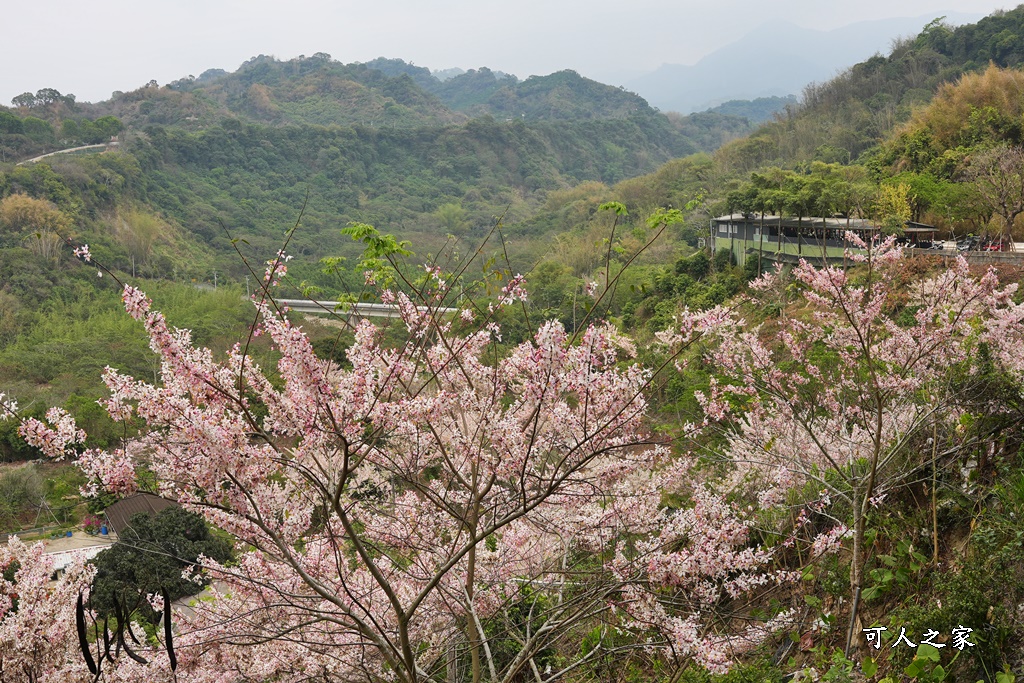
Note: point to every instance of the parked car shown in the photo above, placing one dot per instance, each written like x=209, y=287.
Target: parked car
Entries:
x=967, y=244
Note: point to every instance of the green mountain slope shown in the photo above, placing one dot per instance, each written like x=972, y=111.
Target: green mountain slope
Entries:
x=309, y=90
x=564, y=95
x=394, y=178
x=242, y=155
x=848, y=115
x=756, y=111
x=472, y=91
x=385, y=93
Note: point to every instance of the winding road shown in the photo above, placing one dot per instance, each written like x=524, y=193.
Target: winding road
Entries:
x=66, y=151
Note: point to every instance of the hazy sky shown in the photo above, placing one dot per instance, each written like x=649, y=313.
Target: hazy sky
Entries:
x=93, y=48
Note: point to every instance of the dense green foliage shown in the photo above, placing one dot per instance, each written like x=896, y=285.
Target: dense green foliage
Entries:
x=37, y=495
x=149, y=557
x=383, y=93
x=21, y=490
x=28, y=135
x=472, y=90
x=853, y=112
x=255, y=179
x=757, y=110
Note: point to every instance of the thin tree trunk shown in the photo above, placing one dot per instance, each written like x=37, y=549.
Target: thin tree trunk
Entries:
x=451, y=664
x=471, y=631
x=856, y=571
x=935, y=509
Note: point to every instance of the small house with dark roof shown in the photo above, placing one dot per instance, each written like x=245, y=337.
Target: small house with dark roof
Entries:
x=119, y=514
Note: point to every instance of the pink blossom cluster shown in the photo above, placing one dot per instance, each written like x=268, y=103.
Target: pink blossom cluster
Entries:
x=830, y=541
x=8, y=406
x=395, y=501
x=852, y=385
x=699, y=557
x=837, y=397
x=37, y=619
x=38, y=635
x=57, y=441
x=384, y=512
x=513, y=291
x=277, y=269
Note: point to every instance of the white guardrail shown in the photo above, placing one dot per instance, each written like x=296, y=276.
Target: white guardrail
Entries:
x=359, y=309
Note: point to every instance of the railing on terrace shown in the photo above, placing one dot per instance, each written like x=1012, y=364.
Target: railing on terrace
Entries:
x=359, y=310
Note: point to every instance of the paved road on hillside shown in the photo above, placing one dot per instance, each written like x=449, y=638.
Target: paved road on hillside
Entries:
x=61, y=151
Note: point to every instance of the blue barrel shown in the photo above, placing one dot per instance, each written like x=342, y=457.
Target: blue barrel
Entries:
x=103, y=530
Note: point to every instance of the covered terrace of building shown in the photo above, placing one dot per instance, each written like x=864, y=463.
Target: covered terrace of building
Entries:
x=812, y=236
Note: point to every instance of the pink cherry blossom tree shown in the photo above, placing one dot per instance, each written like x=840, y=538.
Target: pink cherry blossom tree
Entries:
x=435, y=505
x=836, y=399
x=38, y=642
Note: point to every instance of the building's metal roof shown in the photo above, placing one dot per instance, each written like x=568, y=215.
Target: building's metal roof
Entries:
x=119, y=514
x=856, y=224
x=859, y=224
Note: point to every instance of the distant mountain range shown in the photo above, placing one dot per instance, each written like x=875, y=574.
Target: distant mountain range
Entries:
x=730, y=91
x=753, y=77
x=776, y=59
x=384, y=92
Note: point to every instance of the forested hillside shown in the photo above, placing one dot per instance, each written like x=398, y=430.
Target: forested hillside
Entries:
x=755, y=111
x=841, y=119
x=231, y=160
x=386, y=93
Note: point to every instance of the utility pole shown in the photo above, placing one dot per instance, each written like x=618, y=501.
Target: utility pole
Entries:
x=215, y=279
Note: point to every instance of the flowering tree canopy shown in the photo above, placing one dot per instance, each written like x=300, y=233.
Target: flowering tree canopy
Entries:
x=434, y=506
x=837, y=399
x=37, y=620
